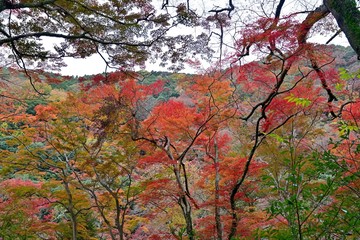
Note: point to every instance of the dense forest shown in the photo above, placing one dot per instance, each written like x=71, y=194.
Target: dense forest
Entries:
x=146, y=155
x=266, y=147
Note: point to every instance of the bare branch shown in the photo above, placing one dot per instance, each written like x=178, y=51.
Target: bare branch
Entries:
x=6, y=4
x=333, y=36
x=228, y=9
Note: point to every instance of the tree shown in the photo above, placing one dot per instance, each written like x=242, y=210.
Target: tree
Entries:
x=42, y=150
x=87, y=167
x=106, y=168
x=177, y=128
x=113, y=165
x=232, y=14
x=24, y=213
x=124, y=33
x=347, y=16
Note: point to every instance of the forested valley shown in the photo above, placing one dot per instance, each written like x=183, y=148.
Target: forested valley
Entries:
x=262, y=148
x=146, y=155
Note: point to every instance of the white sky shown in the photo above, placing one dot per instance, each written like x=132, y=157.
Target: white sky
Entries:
x=95, y=64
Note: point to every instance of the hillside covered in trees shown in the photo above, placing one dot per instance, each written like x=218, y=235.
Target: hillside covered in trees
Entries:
x=264, y=143
x=157, y=155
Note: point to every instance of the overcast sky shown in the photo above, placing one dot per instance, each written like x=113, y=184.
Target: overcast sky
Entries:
x=95, y=64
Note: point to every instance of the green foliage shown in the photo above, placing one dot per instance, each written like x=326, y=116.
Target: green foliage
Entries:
x=4, y=145
x=311, y=199
x=349, y=75
x=170, y=83
x=66, y=84
x=345, y=129
x=278, y=138
x=31, y=104
x=298, y=101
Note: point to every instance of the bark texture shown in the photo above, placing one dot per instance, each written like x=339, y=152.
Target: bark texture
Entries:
x=347, y=16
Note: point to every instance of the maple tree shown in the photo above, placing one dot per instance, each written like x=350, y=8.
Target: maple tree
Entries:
x=177, y=127
x=23, y=212
x=49, y=147
x=39, y=152
x=123, y=162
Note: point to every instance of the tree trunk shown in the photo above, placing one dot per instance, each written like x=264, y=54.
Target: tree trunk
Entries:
x=217, y=195
x=347, y=16
x=118, y=224
x=183, y=199
x=186, y=209
x=70, y=208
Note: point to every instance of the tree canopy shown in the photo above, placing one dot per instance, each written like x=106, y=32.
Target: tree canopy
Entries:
x=127, y=33
x=248, y=148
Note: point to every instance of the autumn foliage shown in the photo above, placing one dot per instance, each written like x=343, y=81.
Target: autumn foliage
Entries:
x=264, y=150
